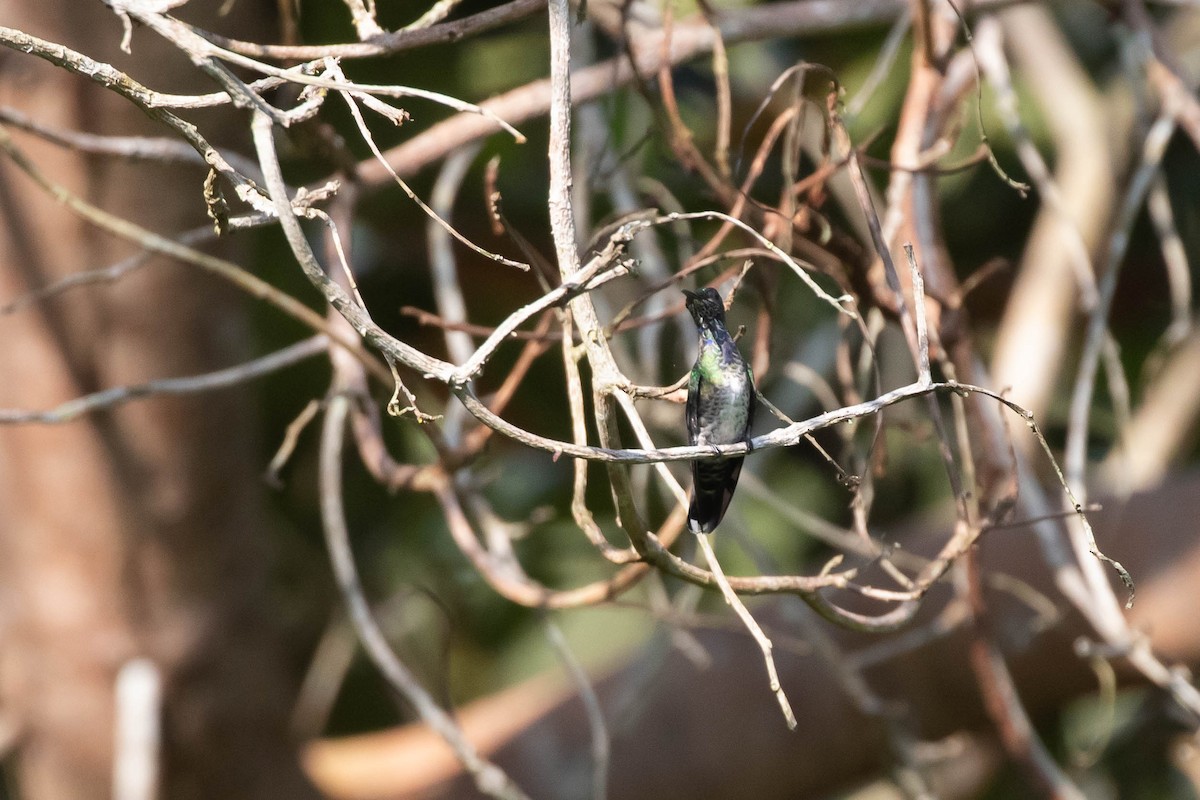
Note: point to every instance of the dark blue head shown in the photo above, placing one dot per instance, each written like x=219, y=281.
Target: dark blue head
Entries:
x=707, y=308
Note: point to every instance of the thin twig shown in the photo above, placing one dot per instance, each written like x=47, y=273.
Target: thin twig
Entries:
x=1003, y=705
x=918, y=284
x=1153, y=150
x=843, y=303
x=126, y=266
x=387, y=43
x=489, y=778
x=134, y=148
x=718, y=574
x=604, y=267
x=1179, y=276
x=243, y=280
x=363, y=16
x=114, y=80
x=199, y=48
x=579, y=508
x=591, y=704
x=365, y=132
x=760, y=638
x=194, y=384
x=291, y=437
x=688, y=40
x=883, y=65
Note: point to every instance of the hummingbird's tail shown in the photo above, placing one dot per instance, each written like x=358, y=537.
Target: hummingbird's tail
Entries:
x=713, y=483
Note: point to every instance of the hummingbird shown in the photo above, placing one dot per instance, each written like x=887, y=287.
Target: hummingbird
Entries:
x=720, y=408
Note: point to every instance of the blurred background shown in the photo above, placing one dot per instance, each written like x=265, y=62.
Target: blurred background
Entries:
x=173, y=539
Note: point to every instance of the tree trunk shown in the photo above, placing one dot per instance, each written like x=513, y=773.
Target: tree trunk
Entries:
x=135, y=532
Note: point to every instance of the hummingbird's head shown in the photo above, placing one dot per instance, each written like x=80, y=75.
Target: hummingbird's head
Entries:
x=706, y=306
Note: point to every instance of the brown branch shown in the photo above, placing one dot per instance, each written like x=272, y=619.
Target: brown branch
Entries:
x=153, y=242
x=386, y=44
x=488, y=778
x=688, y=40
x=209, y=382
x=1003, y=705
x=927, y=667
x=141, y=96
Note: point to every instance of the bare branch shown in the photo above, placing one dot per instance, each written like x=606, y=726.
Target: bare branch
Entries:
x=387, y=43
x=489, y=778
x=212, y=381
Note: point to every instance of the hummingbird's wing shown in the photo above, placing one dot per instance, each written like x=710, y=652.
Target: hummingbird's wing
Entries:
x=693, y=406
x=753, y=401
x=713, y=482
